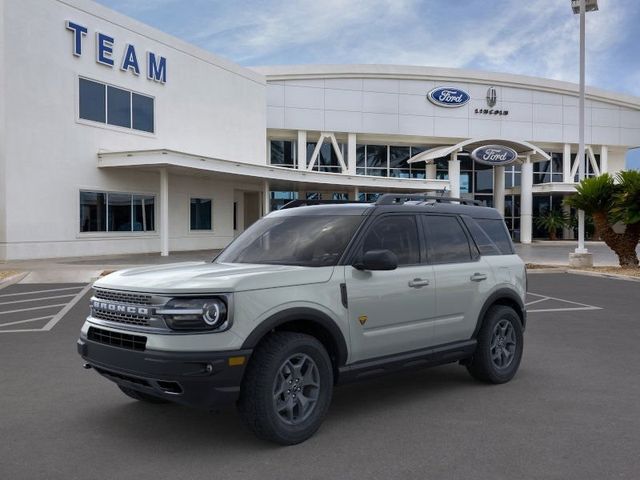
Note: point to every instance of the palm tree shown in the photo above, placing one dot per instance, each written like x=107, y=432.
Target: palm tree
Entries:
x=609, y=202
x=552, y=221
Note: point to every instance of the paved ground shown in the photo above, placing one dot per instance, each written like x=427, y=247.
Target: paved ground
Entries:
x=557, y=253
x=572, y=412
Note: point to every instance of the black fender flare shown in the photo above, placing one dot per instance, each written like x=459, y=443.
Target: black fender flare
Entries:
x=501, y=294
x=306, y=314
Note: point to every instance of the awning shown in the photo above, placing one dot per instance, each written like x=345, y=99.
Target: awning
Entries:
x=522, y=148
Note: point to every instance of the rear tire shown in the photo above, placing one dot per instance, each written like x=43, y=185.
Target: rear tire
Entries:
x=141, y=396
x=500, y=345
x=287, y=388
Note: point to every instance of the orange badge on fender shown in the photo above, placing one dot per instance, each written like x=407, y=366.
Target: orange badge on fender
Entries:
x=362, y=319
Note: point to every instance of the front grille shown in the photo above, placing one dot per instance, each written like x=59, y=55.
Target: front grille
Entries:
x=123, y=297
x=117, y=339
x=129, y=319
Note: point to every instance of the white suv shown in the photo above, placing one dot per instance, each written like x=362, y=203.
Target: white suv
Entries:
x=309, y=297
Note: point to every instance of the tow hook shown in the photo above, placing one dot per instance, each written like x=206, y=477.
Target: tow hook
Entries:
x=86, y=366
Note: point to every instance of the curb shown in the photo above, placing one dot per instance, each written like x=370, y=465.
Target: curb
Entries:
x=12, y=279
x=573, y=271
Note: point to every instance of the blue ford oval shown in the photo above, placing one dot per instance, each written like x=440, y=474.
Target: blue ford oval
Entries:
x=448, y=97
x=494, y=155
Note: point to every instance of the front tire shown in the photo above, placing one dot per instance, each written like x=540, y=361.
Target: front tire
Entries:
x=500, y=345
x=287, y=388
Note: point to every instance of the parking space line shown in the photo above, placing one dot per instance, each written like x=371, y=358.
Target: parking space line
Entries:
x=580, y=306
x=572, y=309
x=24, y=321
x=37, y=299
x=536, y=301
x=33, y=308
x=40, y=291
x=68, y=307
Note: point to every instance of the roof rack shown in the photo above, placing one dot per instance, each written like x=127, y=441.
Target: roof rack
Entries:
x=307, y=202
x=394, y=198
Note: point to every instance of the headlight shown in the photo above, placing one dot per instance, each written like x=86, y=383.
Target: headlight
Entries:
x=195, y=314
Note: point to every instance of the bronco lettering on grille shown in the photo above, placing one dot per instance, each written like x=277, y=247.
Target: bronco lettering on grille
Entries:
x=113, y=307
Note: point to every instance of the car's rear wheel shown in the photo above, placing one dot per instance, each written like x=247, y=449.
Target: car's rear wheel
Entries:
x=500, y=345
x=287, y=388
x=141, y=396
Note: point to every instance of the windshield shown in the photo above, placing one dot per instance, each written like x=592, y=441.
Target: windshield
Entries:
x=310, y=241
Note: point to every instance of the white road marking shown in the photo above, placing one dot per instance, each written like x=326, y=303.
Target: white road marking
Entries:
x=24, y=321
x=41, y=291
x=69, y=306
x=33, y=308
x=37, y=299
x=536, y=301
x=580, y=306
x=573, y=309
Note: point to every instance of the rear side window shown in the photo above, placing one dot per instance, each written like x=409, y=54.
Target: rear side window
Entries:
x=447, y=241
x=485, y=245
x=497, y=231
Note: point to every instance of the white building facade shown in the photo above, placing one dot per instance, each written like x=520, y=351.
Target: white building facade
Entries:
x=117, y=138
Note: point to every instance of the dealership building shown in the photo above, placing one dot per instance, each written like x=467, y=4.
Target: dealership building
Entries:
x=118, y=138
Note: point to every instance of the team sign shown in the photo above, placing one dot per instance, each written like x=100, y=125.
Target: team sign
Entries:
x=156, y=65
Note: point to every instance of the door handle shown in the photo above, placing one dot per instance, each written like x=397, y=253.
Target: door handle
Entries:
x=418, y=282
x=478, y=277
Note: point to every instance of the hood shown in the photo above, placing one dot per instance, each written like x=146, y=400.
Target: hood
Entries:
x=201, y=277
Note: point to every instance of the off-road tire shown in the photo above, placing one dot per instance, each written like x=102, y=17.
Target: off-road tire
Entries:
x=482, y=365
x=258, y=390
x=141, y=396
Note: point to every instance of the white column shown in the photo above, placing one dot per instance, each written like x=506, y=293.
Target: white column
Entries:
x=266, y=198
x=526, y=201
x=164, y=212
x=567, y=231
x=351, y=154
x=302, y=150
x=604, y=159
x=566, y=164
x=454, y=175
x=498, y=189
x=353, y=195
x=431, y=171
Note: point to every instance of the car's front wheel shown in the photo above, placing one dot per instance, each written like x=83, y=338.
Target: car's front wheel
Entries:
x=287, y=388
x=500, y=345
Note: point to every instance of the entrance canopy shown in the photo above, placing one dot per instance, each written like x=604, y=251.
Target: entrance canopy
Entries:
x=522, y=148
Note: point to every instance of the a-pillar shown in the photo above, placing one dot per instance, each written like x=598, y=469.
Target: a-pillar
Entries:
x=526, y=201
x=454, y=175
x=164, y=212
x=498, y=189
x=266, y=198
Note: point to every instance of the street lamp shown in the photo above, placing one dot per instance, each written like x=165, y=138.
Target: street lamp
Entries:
x=580, y=7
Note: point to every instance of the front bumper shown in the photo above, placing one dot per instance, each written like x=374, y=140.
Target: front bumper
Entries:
x=196, y=379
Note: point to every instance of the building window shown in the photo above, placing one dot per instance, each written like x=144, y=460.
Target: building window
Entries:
x=280, y=199
x=389, y=161
x=115, y=106
x=327, y=160
x=549, y=170
x=116, y=212
x=201, y=213
x=283, y=153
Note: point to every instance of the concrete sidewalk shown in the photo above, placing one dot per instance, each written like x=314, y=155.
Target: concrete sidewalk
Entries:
x=86, y=269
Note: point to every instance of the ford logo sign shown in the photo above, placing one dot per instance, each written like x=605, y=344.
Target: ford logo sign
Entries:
x=494, y=155
x=448, y=97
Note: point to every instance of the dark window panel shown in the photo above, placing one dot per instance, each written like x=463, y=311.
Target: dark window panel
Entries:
x=143, y=113
x=446, y=239
x=118, y=107
x=93, y=212
x=398, y=157
x=119, y=212
x=398, y=234
x=377, y=156
x=200, y=214
x=143, y=213
x=92, y=101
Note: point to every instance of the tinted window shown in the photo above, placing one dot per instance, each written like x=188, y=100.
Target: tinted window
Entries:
x=200, y=214
x=396, y=233
x=143, y=213
x=142, y=112
x=311, y=241
x=92, y=101
x=483, y=242
x=118, y=107
x=119, y=212
x=93, y=212
x=446, y=240
x=497, y=232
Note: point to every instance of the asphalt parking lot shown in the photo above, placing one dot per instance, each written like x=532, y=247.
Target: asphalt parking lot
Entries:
x=572, y=412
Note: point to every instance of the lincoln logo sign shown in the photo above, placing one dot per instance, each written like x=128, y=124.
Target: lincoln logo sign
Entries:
x=494, y=155
x=448, y=97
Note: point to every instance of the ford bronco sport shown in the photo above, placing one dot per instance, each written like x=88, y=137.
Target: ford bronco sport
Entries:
x=310, y=297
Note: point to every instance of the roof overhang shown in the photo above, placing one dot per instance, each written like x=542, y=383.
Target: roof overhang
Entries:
x=182, y=163
x=522, y=148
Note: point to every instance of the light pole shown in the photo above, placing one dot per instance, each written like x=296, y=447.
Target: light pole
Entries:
x=581, y=7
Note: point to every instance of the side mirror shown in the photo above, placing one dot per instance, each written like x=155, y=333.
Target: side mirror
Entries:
x=377, y=260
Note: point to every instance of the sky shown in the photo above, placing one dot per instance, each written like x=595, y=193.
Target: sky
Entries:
x=530, y=37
